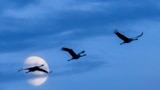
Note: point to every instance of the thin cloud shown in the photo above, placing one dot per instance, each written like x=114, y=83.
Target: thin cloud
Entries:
x=79, y=67
x=72, y=20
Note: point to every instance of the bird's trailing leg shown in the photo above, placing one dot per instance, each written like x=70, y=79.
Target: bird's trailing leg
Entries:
x=80, y=54
x=20, y=70
x=28, y=71
x=122, y=43
x=83, y=55
x=69, y=59
x=135, y=39
x=50, y=72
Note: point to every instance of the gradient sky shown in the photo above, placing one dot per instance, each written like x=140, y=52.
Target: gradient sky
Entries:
x=42, y=27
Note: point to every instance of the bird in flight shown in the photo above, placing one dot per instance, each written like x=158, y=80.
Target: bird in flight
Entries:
x=125, y=38
x=73, y=54
x=35, y=68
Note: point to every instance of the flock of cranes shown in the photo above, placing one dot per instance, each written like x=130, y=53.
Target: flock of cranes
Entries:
x=76, y=56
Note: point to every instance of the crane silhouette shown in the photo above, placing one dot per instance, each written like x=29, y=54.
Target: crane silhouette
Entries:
x=125, y=38
x=35, y=68
x=73, y=54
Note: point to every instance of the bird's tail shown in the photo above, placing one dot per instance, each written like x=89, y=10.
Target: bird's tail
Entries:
x=83, y=55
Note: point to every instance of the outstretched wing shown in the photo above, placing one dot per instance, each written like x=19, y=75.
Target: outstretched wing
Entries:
x=121, y=36
x=139, y=35
x=70, y=51
x=42, y=70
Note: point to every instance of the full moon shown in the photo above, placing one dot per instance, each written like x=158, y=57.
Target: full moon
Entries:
x=38, y=77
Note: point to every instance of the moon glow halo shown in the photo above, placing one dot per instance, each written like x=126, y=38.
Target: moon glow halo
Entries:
x=39, y=77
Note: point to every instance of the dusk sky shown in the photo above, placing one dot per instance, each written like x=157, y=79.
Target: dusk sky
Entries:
x=42, y=27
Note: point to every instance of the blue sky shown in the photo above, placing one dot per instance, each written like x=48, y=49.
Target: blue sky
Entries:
x=42, y=27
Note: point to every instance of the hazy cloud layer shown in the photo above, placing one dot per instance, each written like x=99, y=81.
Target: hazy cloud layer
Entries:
x=42, y=27
x=32, y=21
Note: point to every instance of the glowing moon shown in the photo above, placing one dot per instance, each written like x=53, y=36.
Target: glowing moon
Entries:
x=37, y=81
x=39, y=77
